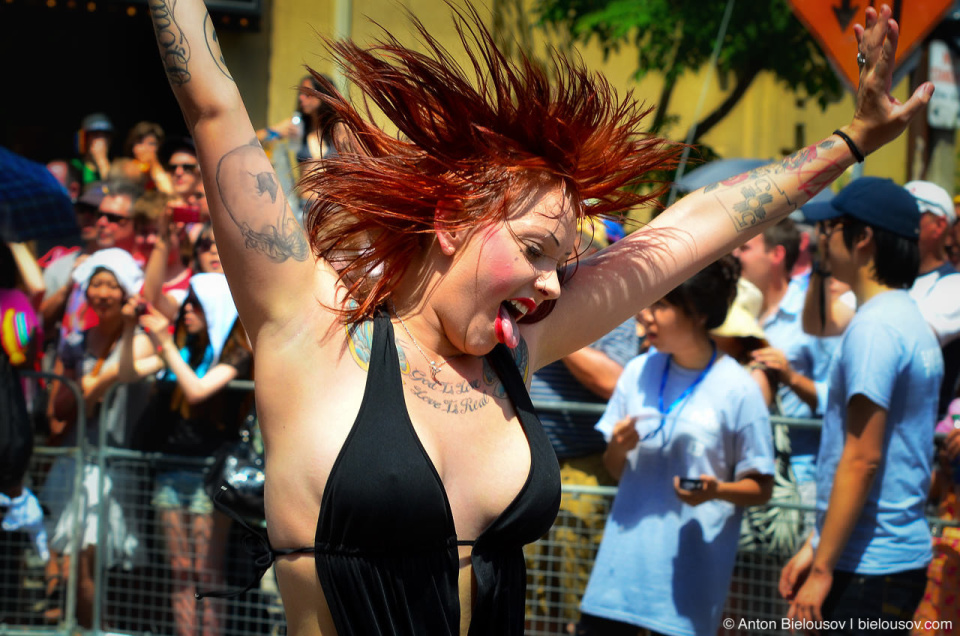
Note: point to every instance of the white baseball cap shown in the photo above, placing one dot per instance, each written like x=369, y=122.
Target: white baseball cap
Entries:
x=932, y=198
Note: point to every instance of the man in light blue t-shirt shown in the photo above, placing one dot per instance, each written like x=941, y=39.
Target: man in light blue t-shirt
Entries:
x=866, y=560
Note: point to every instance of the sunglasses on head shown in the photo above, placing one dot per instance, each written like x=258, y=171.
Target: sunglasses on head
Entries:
x=187, y=167
x=114, y=218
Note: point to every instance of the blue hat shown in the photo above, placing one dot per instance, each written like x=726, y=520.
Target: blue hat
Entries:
x=879, y=203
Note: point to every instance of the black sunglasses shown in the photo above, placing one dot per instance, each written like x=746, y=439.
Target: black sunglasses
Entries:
x=114, y=218
x=187, y=167
x=204, y=244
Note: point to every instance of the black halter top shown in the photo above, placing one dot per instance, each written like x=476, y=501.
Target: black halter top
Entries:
x=386, y=549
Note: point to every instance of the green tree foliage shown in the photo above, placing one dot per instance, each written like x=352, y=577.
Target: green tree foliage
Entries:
x=672, y=37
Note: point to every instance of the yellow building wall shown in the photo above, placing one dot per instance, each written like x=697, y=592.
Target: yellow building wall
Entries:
x=763, y=123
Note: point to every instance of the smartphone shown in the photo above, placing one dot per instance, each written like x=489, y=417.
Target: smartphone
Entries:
x=691, y=484
x=186, y=214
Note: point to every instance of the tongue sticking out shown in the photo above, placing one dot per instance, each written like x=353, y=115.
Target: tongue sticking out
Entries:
x=506, y=328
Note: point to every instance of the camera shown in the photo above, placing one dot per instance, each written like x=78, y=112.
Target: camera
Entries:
x=185, y=214
x=141, y=309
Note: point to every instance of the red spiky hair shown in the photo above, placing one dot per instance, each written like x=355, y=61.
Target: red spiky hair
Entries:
x=468, y=145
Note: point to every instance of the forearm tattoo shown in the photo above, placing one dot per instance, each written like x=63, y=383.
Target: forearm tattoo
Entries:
x=758, y=190
x=249, y=189
x=174, y=47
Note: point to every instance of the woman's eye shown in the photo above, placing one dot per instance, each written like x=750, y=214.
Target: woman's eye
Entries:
x=534, y=251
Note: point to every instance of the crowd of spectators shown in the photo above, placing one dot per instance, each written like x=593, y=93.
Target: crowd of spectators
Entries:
x=140, y=294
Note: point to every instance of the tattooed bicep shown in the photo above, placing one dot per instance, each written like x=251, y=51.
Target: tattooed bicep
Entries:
x=213, y=46
x=253, y=198
x=174, y=46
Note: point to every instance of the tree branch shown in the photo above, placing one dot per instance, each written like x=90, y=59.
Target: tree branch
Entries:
x=744, y=79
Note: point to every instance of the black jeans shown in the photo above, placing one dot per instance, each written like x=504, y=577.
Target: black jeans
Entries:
x=590, y=625
x=884, y=603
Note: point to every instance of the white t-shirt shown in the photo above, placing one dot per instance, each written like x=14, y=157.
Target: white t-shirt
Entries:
x=665, y=565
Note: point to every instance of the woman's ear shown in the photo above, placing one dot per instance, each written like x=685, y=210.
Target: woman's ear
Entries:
x=444, y=218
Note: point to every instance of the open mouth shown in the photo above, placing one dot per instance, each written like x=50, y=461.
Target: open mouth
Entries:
x=511, y=311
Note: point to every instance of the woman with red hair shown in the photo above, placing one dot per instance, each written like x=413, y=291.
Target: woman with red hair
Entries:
x=395, y=335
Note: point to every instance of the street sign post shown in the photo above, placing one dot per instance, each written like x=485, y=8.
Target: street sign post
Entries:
x=831, y=24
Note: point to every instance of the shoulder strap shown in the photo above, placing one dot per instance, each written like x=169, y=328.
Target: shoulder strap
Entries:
x=506, y=369
x=383, y=374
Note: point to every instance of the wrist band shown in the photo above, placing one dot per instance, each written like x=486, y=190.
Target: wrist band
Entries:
x=852, y=146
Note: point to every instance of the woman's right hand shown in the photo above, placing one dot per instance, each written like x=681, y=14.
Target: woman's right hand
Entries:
x=156, y=325
x=131, y=311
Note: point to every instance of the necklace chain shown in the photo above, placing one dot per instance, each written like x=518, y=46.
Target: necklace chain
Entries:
x=434, y=367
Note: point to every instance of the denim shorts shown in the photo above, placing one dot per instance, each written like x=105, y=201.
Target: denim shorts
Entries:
x=178, y=489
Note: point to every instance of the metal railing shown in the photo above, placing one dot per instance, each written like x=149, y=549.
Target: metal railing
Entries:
x=133, y=598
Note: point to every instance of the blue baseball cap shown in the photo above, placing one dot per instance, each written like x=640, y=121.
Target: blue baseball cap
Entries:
x=880, y=203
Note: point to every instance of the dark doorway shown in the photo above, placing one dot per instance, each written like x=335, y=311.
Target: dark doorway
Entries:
x=63, y=63
x=65, y=59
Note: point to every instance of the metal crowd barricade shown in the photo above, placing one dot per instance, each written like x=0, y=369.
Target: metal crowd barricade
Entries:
x=23, y=587
x=134, y=597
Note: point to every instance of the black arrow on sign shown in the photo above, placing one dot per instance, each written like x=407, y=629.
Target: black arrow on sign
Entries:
x=844, y=13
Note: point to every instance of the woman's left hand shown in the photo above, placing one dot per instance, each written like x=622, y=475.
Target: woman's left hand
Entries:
x=707, y=491
x=879, y=117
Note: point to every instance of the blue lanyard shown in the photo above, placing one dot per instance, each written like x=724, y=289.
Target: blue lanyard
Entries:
x=683, y=396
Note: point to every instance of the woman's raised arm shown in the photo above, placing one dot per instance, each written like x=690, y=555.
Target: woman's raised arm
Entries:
x=616, y=283
x=264, y=250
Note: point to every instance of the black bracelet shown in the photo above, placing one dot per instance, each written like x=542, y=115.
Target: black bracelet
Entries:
x=852, y=146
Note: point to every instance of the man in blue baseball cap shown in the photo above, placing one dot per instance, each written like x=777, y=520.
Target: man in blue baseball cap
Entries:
x=867, y=557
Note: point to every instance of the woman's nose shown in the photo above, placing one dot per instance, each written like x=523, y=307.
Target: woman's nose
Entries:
x=549, y=285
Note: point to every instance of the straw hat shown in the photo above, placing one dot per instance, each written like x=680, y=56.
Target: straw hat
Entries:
x=741, y=321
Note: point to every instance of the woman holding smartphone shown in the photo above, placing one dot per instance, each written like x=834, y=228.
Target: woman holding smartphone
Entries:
x=688, y=437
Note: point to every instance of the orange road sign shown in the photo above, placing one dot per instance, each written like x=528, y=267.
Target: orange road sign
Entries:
x=831, y=23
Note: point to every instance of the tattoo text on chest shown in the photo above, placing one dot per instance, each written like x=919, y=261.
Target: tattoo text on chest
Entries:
x=458, y=397
x=454, y=398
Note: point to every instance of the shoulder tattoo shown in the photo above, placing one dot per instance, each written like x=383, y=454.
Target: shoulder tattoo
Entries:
x=360, y=339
